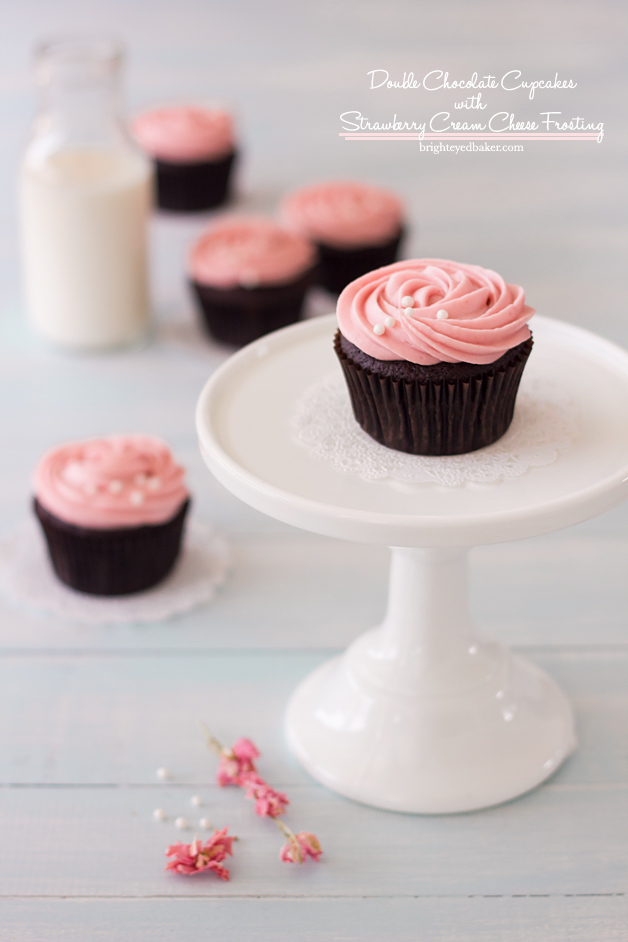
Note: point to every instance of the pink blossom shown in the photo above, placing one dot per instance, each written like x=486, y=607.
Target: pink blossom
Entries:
x=299, y=847
x=268, y=802
x=199, y=856
x=236, y=762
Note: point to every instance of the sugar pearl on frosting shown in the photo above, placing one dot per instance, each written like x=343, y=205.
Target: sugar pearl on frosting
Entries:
x=136, y=498
x=408, y=301
x=115, y=486
x=153, y=484
x=390, y=321
x=442, y=315
x=379, y=329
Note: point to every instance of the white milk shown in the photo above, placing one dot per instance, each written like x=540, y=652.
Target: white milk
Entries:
x=84, y=233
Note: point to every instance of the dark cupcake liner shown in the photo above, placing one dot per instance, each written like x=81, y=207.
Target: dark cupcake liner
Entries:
x=193, y=187
x=112, y=562
x=337, y=266
x=239, y=315
x=449, y=416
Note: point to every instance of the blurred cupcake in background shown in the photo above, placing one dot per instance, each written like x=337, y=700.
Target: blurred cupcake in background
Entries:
x=194, y=151
x=355, y=227
x=112, y=511
x=250, y=276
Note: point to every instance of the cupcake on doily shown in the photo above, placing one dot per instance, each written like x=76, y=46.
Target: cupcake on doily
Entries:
x=433, y=352
x=112, y=511
x=356, y=227
x=250, y=277
x=194, y=151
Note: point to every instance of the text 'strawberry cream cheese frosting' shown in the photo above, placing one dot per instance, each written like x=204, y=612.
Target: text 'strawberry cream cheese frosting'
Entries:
x=112, y=511
x=356, y=227
x=442, y=312
x=433, y=352
x=249, y=251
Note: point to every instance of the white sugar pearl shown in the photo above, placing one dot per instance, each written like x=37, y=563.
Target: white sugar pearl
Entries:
x=163, y=773
x=136, y=498
x=115, y=486
x=390, y=321
x=181, y=823
x=408, y=301
x=196, y=800
x=140, y=480
x=379, y=329
x=159, y=814
x=205, y=823
x=442, y=315
x=153, y=484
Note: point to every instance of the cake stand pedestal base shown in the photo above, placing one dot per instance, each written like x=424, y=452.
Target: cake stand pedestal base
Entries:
x=422, y=715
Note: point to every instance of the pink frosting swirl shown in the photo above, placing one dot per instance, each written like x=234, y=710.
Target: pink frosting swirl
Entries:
x=247, y=251
x=459, y=313
x=343, y=214
x=106, y=483
x=185, y=134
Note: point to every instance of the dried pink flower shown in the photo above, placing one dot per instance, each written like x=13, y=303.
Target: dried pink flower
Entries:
x=268, y=802
x=199, y=856
x=236, y=762
x=299, y=847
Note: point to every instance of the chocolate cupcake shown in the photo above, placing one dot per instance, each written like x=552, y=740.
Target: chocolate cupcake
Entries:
x=194, y=152
x=250, y=277
x=355, y=227
x=112, y=511
x=433, y=353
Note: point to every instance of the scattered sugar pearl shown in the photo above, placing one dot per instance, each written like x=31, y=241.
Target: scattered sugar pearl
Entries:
x=136, y=498
x=163, y=773
x=153, y=484
x=442, y=315
x=205, y=823
x=115, y=486
x=181, y=823
x=390, y=321
x=140, y=480
x=379, y=329
x=408, y=301
x=196, y=800
x=159, y=814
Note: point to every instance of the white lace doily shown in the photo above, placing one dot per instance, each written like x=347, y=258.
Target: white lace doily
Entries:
x=544, y=423
x=27, y=579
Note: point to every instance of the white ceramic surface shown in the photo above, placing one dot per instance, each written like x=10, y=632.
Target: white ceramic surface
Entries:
x=243, y=423
x=420, y=715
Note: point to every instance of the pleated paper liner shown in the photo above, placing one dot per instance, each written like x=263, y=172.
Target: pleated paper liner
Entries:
x=339, y=266
x=239, y=315
x=112, y=562
x=450, y=416
x=193, y=187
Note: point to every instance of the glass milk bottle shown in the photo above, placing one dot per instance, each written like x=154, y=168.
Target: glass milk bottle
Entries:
x=85, y=196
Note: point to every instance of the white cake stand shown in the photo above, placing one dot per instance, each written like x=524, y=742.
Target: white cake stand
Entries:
x=420, y=714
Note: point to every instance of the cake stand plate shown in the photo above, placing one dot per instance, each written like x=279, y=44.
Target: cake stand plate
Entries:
x=420, y=714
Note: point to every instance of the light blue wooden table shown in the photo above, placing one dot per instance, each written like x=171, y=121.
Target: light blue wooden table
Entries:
x=89, y=714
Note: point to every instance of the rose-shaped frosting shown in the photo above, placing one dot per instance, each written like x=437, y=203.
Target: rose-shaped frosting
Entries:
x=249, y=251
x=106, y=483
x=428, y=311
x=343, y=214
x=185, y=134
